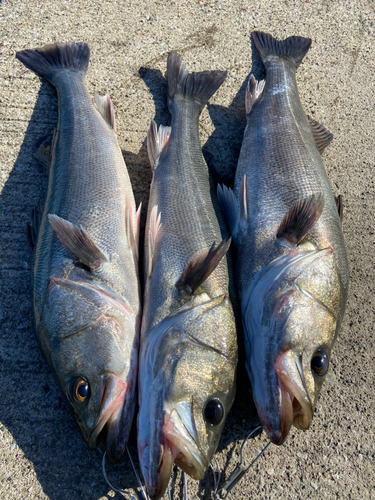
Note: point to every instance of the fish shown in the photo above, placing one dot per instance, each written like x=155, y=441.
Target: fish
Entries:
x=291, y=264
x=188, y=348
x=85, y=279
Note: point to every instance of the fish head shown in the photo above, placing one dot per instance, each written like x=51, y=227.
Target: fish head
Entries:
x=93, y=354
x=186, y=390
x=291, y=340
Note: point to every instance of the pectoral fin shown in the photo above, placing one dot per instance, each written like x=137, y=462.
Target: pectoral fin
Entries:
x=200, y=267
x=300, y=218
x=78, y=242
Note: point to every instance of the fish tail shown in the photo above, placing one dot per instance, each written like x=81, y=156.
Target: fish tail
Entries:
x=51, y=59
x=197, y=87
x=293, y=48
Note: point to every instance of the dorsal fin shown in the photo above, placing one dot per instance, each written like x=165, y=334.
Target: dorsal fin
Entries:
x=105, y=108
x=78, y=242
x=157, y=139
x=322, y=136
x=153, y=236
x=254, y=91
x=300, y=218
x=201, y=266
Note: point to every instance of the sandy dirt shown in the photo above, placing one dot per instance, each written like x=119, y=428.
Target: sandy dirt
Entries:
x=42, y=454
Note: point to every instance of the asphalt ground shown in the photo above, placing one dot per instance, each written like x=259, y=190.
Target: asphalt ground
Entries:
x=42, y=454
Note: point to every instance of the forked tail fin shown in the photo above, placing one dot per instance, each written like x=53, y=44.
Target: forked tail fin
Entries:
x=293, y=48
x=198, y=86
x=51, y=59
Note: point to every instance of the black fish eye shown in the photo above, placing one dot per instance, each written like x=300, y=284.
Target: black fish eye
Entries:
x=213, y=412
x=79, y=390
x=319, y=363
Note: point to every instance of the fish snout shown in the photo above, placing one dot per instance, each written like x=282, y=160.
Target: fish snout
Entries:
x=114, y=391
x=294, y=403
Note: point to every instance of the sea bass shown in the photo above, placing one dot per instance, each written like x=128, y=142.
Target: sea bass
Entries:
x=85, y=280
x=292, y=270
x=188, y=352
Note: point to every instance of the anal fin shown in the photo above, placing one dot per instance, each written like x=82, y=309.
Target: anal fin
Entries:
x=254, y=91
x=229, y=206
x=300, y=218
x=33, y=226
x=157, y=140
x=200, y=267
x=153, y=236
x=322, y=136
x=78, y=242
x=105, y=108
x=339, y=205
x=132, y=233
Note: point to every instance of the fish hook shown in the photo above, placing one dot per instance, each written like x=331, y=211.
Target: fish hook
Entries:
x=239, y=471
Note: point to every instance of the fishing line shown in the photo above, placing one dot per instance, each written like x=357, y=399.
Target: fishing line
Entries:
x=125, y=492
x=237, y=473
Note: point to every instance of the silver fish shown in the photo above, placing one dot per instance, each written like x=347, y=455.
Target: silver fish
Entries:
x=85, y=280
x=188, y=351
x=292, y=270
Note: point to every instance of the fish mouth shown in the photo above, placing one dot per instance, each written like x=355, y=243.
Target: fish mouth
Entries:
x=179, y=448
x=295, y=407
x=112, y=401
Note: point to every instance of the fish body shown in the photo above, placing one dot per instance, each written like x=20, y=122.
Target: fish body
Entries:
x=188, y=350
x=85, y=278
x=292, y=270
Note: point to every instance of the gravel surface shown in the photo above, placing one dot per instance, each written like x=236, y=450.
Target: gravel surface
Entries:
x=42, y=453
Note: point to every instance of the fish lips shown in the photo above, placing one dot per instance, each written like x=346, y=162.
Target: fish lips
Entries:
x=111, y=413
x=177, y=447
x=295, y=407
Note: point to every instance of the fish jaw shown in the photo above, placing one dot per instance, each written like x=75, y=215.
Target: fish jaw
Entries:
x=112, y=401
x=291, y=405
x=175, y=446
x=288, y=367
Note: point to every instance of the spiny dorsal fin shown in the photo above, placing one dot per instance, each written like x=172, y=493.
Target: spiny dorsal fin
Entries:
x=200, y=267
x=78, y=242
x=132, y=233
x=105, y=108
x=157, y=140
x=153, y=236
x=322, y=136
x=229, y=206
x=254, y=90
x=300, y=218
x=340, y=205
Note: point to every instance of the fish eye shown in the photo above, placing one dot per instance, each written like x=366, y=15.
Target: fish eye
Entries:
x=319, y=363
x=213, y=412
x=78, y=390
